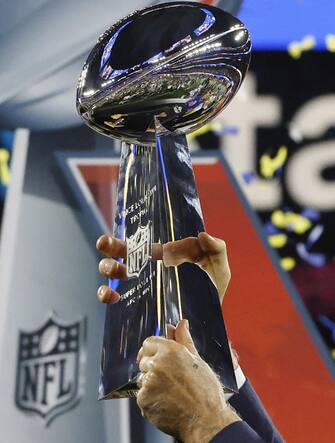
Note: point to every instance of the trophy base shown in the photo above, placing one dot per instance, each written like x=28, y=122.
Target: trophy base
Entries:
x=129, y=390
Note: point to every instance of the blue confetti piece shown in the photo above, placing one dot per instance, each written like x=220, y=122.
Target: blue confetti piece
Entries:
x=311, y=214
x=314, y=235
x=248, y=177
x=270, y=229
x=227, y=130
x=314, y=259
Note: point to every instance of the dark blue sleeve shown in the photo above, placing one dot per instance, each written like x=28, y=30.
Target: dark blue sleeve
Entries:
x=238, y=432
x=251, y=410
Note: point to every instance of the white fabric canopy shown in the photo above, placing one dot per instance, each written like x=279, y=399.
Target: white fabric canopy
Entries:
x=43, y=47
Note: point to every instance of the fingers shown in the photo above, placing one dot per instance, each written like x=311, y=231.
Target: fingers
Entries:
x=107, y=295
x=211, y=245
x=157, y=251
x=215, y=262
x=111, y=246
x=108, y=267
x=183, y=336
x=139, y=380
x=188, y=249
x=146, y=364
x=170, y=332
x=181, y=251
x=150, y=347
x=192, y=249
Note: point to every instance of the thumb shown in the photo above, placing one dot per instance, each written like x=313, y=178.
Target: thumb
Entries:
x=183, y=336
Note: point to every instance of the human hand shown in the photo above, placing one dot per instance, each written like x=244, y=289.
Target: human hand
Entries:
x=179, y=393
x=209, y=253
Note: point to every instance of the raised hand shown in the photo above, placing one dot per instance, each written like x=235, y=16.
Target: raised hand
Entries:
x=207, y=252
x=179, y=393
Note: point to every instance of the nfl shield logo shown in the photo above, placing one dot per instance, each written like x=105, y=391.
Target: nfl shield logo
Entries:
x=138, y=247
x=49, y=368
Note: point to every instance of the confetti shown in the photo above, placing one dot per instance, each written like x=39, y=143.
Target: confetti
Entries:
x=291, y=221
x=270, y=229
x=227, y=130
x=277, y=240
x=296, y=48
x=4, y=166
x=311, y=213
x=312, y=258
x=248, y=177
x=330, y=42
x=268, y=165
x=287, y=263
x=314, y=235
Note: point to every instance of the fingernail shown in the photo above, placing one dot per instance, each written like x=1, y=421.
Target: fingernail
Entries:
x=102, y=294
x=107, y=267
x=187, y=324
x=101, y=242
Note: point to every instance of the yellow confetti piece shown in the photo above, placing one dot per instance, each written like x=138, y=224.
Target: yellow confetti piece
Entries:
x=330, y=42
x=308, y=43
x=268, y=165
x=287, y=263
x=291, y=220
x=333, y=353
x=277, y=240
x=278, y=218
x=4, y=167
x=296, y=48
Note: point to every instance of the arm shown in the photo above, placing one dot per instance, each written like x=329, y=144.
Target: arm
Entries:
x=239, y=432
x=179, y=393
x=251, y=409
x=211, y=255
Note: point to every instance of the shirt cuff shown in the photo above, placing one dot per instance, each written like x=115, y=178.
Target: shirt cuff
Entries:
x=240, y=380
x=238, y=432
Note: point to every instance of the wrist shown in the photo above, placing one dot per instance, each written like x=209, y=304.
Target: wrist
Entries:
x=204, y=428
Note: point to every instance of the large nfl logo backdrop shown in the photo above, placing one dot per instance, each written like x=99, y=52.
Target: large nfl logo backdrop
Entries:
x=49, y=361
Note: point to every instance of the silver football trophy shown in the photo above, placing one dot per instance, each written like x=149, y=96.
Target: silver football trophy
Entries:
x=154, y=76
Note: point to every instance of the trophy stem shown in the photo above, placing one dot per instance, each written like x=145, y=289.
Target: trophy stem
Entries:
x=158, y=203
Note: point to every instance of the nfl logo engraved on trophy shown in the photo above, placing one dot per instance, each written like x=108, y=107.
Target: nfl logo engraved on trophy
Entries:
x=138, y=247
x=49, y=367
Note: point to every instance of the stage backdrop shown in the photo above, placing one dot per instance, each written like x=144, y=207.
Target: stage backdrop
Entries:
x=266, y=318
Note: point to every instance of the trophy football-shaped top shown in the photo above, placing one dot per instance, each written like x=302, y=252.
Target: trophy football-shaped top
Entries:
x=182, y=62
x=154, y=76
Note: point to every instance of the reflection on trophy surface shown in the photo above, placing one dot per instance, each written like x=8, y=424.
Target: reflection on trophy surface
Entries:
x=154, y=76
